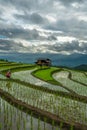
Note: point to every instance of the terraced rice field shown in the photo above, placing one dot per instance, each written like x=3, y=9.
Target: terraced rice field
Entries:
x=62, y=77
x=42, y=99
x=13, y=118
x=27, y=77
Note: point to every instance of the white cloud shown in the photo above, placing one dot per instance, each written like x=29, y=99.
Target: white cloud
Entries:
x=65, y=39
x=76, y=5
x=51, y=18
x=53, y=26
x=84, y=18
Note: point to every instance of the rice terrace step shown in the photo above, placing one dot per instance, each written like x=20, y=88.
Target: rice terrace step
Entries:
x=45, y=94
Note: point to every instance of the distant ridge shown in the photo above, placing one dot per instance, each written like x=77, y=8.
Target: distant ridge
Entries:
x=81, y=67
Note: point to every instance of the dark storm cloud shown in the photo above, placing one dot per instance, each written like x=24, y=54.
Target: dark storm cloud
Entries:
x=1, y=19
x=51, y=37
x=68, y=47
x=72, y=27
x=20, y=33
x=67, y=16
x=10, y=46
x=69, y=2
x=36, y=18
x=5, y=45
x=17, y=3
x=25, y=5
x=74, y=46
x=30, y=5
x=33, y=18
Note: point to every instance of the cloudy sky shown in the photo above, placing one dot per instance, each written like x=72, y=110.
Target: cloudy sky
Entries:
x=45, y=26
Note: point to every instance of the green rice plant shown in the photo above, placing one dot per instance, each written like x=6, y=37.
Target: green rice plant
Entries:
x=66, y=108
x=61, y=125
x=45, y=74
x=27, y=77
x=50, y=102
x=45, y=120
x=71, y=128
x=0, y=125
x=78, y=88
x=31, y=120
x=78, y=76
x=18, y=126
x=39, y=127
x=57, y=128
x=53, y=123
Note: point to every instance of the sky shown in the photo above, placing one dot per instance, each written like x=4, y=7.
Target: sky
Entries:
x=43, y=26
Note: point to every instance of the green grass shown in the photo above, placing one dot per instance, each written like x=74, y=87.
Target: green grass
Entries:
x=18, y=68
x=23, y=68
x=46, y=74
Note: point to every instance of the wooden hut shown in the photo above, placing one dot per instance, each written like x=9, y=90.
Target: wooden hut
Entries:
x=43, y=62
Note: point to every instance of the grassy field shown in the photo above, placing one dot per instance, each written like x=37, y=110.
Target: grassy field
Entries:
x=46, y=74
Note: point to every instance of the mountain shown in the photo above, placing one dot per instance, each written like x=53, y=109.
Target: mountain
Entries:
x=57, y=59
x=81, y=67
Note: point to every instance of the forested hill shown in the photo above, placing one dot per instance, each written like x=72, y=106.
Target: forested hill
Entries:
x=81, y=67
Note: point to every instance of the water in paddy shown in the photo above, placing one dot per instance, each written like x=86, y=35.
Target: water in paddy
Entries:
x=12, y=118
x=52, y=103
